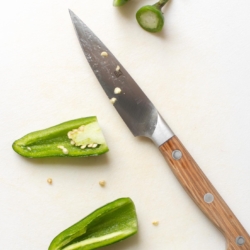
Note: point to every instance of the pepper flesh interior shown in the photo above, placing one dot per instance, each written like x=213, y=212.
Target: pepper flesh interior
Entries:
x=111, y=223
x=149, y=19
x=54, y=141
x=91, y=134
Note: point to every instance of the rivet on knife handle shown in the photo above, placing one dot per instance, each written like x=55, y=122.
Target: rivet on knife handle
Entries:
x=205, y=195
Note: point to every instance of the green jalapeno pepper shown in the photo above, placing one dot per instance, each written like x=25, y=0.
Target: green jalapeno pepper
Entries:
x=80, y=137
x=109, y=224
x=150, y=17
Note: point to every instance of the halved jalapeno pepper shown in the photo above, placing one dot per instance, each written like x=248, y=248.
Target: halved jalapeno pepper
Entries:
x=109, y=224
x=80, y=137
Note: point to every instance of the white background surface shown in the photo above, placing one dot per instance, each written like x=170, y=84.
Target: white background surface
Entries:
x=196, y=72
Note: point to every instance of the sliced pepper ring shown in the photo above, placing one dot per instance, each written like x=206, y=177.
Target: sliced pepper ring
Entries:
x=150, y=18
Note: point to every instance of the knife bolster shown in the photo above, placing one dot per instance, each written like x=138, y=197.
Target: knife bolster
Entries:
x=162, y=132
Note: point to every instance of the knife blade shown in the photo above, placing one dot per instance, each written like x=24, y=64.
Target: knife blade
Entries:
x=143, y=119
x=137, y=111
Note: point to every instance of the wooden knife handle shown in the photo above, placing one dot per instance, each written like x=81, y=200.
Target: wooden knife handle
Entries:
x=204, y=194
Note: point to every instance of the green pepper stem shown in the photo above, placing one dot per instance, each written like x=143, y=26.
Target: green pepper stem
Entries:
x=160, y=4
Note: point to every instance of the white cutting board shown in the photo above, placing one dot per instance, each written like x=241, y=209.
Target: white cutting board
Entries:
x=196, y=72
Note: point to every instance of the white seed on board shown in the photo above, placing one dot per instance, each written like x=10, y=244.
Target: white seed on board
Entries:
x=113, y=100
x=102, y=183
x=49, y=180
x=117, y=68
x=155, y=223
x=117, y=90
x=104, y=54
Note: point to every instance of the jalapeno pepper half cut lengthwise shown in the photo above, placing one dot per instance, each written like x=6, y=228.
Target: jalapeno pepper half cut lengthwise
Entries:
x=76, y=138
x=109, y=224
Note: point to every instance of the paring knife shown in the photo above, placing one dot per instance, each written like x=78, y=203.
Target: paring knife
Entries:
x=143, y=119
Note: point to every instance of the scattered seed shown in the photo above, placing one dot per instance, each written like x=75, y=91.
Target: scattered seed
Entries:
x=155, y=223
x=117, y=90
x=113, y=100
x=72, y=142
x=117, y=68
x=90, y=145
x=83, y=146
x=102, y=183
x=29, y=148
x=49, y=180
x=104, y=54
x=94, y=145
x=75, y=130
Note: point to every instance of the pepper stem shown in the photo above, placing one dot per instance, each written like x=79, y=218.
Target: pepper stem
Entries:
x=160, y=4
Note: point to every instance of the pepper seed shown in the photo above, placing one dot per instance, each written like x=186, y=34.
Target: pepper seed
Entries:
x=70, y=134
x=65, y=150
x=81, y=128
x=113, y=100
x=104, y=54
x=49, y=180
x=155, y=223
x=117, y=91
x=102, y=183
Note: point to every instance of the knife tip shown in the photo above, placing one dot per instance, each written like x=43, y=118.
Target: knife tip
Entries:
x=71, y=13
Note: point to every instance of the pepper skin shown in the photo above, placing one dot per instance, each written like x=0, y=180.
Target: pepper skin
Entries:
x=109, y=224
